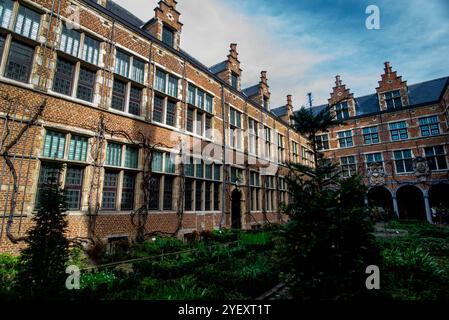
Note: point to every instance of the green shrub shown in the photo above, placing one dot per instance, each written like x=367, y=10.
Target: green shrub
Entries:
x=185, y=288
x=8, y=274
x=255, y=240
x=412, y=273
x=159, y=246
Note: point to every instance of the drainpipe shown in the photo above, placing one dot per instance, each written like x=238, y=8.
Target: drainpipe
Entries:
x=223, y=191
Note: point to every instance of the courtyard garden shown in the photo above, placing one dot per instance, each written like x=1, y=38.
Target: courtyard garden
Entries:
x=243, y=265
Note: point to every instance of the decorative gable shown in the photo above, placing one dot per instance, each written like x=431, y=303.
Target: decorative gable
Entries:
x=391, y=88
x=229, y=70
x=341, y=96
x=165, y=24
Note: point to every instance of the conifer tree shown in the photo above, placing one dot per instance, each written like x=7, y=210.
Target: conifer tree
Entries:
x=328, y=243
x=43, y=262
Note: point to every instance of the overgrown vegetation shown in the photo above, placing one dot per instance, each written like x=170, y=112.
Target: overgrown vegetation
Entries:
x=416, y=266
x=242, y=268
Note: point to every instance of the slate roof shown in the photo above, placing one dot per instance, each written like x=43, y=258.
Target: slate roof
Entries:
x=125, y=14
x=280, y=111
x=219, y=67
x=251, y=91
x=419, y=94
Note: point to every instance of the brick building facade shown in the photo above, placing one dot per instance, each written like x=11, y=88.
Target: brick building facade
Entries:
x=398, y=140
x=102, y=84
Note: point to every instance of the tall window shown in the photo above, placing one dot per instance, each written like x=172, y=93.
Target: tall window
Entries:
x=73, y=187
x=50, y=174
x=348, y=166
x=345, y=139
x=267, y=146
x=118, y=95
x=63, y=80
x=162, y=185
x=270, y=193
x=398, y=131
x=122, y=63
x=371, y=135
x=342, y=110
x=129, y=182
x=429, y=126
x=436, y=158
x=19, y=62
x=283, y=191
x=307, y=156
x=6, y=8
x=322, y=142
x=91, y=50
x=281, y=148
x=168, y=193
x=135, y=101
x=110, y=186
x=78, y=148
x=55, y=148
x=374, y=158
x=199, y=114
x=202, y=189
x=393, y=100
x=2, y=46
x=295, y=152
x=255, y=191
x=54, y=145
x=165, y=106
x=114, y=154
x=404, y=161
x=235, y=126
x=188, y=198
x=253, y=141
x=86, y=85
x=138, y=71
x=168, y=36
x=131, y=157
x=234, y=80
x=266, y=103
x=236, y=175
x=70, y=41
x=154, y=196
x=27, y=23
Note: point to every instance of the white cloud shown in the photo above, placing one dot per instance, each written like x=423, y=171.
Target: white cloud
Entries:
x=210, y=26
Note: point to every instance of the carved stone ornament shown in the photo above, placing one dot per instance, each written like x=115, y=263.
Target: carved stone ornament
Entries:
x=376, y=175
x=421, y=167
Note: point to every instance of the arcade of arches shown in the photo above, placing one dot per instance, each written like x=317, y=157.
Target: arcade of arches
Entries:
x=410, y=202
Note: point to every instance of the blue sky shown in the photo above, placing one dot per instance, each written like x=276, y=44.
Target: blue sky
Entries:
x=304, y=44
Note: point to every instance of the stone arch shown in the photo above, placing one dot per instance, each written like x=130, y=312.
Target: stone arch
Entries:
x=382, y=198
x=236, y=208
x=439, y=199
x=411, y=204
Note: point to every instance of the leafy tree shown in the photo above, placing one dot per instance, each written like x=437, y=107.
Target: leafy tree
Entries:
x=43, y=262
x=328, y=243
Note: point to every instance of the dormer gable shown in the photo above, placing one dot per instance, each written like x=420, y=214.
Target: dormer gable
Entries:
x=342, y=100
x=229, y=70
x=165, y=25
x=392, y=91
x=260, y=93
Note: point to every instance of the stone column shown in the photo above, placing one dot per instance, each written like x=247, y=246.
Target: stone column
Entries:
x=395, y=207
x=428, y=209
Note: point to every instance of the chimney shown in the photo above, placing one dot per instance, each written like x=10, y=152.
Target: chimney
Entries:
x=287, y=118
x=388, y=69
x=233, y=51
x=263, y=77
x=338, y=81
